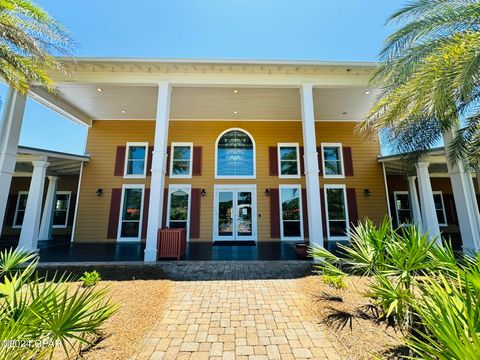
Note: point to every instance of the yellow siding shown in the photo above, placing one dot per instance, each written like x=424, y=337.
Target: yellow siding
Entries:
x=105, y=136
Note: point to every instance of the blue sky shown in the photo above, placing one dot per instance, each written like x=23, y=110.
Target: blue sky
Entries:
x=239, y=29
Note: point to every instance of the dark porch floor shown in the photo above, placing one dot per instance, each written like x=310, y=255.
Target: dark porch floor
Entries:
x=64, y=251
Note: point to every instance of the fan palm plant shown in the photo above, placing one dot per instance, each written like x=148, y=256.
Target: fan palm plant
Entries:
x=36, y=315
x=29, y=41
x=430, y=76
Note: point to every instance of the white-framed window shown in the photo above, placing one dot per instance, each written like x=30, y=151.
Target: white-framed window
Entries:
x=178, y=210
x=136, y=160
x=131, y=213
x=440, y=208
x=291, y=217
x=235, y=155
x=61, y=209
x=337, y=212
x=181, y=160
x=403, y=209
x=288, y=161
x=332, y=161
x=20, y=209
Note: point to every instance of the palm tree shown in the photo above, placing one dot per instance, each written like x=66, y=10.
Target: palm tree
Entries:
x=29, y=41
x=430, y=77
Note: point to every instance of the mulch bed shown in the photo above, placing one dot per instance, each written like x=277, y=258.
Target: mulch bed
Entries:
x=141, y=306
x=351, y=321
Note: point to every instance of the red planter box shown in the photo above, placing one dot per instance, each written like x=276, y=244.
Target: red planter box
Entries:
x=171, y=243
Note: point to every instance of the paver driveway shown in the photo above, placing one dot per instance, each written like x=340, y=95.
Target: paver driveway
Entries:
x=237, y=319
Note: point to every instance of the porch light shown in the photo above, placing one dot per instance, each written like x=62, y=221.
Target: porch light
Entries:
x=99, y=192
x=267, y=192
x=235, y=91
x=366, y=92
x=344, y=113
x=235, y=112
x=99, y=89
x=203, y=192
x=367, y=192
x=124, y=111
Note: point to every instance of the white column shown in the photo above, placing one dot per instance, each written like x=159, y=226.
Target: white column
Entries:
x=477, y=174
x=465, y=200
x=311, y=166
x=429, y=214
x=10, y=127
x=415, y=205
x=45, y=232
x=31, y=221
x=157, y=180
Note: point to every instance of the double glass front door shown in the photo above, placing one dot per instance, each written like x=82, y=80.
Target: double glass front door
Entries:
x=235, y=213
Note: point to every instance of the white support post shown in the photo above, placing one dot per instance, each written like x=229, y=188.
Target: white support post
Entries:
x=157, y=180
x=465, y=200
x=311, y=166
x=10, y=127
x=31, y=221
x=415, y=205
x=45, y=232
x=429, y=214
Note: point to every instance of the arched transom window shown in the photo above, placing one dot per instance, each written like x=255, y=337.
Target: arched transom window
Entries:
x=235, y=155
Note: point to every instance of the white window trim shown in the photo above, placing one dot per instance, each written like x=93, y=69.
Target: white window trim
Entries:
x=119, y=230
x=69, y=193
x=344, y=188
x=293, y=238
x=395, y=193
x=297, y=147
x=329, y=176
x=16, y=210
x=125, y=167
x=443, y=208
x=254, y=176
x=172, y=146
x=172, y=188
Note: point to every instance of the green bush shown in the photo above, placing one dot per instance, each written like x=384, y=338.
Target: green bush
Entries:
x=418, y=284
x=36, y=314
x=90, y=278
x=336, y=281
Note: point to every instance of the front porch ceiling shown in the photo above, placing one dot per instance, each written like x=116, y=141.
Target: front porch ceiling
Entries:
x=138, y=102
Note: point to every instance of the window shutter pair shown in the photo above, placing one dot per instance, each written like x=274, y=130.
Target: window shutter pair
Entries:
x=196, y=160
x=275, y=211
x=273, y=160
x=275, y=222
x=121, y=153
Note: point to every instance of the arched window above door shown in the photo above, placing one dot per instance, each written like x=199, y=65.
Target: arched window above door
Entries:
x=235, y=155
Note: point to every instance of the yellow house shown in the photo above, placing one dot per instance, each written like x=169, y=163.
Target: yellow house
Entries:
x=233, y=151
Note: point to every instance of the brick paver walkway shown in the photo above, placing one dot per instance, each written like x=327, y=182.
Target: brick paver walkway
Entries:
x=237, y=319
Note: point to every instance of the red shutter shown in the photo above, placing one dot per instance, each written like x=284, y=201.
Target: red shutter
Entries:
x=146, y=202
x=273, y=161
x=324, y=211
x=195, y=214
x=120, y=161
x=114, y=213
x=197, y=161
x=320, y=162
x=71, y=210
x=302, y=160
x=165, y=205
x=352, y=207
x=305, y=213
x=149, y=160
x=274, y=214
x=347, y=160
x=11, y=206
x=169, y=150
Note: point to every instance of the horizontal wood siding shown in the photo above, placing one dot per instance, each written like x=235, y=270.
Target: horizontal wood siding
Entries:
x=105, y=136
